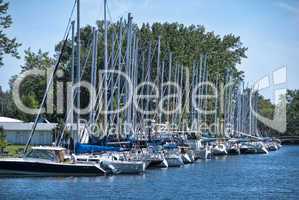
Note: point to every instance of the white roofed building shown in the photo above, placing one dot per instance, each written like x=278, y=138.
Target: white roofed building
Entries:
x=7, y=119
x=18, y=132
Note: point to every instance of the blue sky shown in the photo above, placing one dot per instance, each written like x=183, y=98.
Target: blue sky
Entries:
x=269, y=28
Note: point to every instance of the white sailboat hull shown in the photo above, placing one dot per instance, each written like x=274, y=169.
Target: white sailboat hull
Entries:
x=127, y=167
x=174, y=161
x=186, y=159
x=203, y=154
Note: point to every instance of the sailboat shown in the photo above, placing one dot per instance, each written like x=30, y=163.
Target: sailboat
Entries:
x=205, y=152
x=233, y=147
x=260, y=148
x=271, y=144
x=172, y=155
x=154, y=157
x=219, y=150
x=187, y=155
x=247, y=148
x=118, y=163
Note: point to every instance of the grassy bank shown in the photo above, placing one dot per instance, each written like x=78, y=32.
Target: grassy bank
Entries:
x=14, y=150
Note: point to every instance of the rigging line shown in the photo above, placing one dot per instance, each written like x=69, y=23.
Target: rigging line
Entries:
x=99, y=107
x=100, y=96
x=109, y=82
x=110, y=57
x=68, y=27
x=108, y=11
x=67, y=30
x=121, y=93
x=110, y=17
x=46, y=94
x=117, y=51
x=86, y=58
x=113, y=30
x=75, y=93
x=70, y=20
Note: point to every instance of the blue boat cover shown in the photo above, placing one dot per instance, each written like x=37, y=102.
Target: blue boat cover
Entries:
x=87, y=148
x=170, y=146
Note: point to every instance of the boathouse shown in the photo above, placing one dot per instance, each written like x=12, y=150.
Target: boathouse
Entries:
x=17, y=131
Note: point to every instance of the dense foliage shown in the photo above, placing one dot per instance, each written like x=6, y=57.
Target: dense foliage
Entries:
x=293, y=112
x=7, y=45
x=3, y=142
x=266, y=108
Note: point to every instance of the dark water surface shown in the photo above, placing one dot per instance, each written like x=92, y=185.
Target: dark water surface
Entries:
x=272, y=176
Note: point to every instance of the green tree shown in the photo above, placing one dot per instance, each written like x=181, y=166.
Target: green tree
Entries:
x=293, y=112
x=33, y=87
x=185, y=42
x=3, y=142
x=267, y=108
x=7, y=45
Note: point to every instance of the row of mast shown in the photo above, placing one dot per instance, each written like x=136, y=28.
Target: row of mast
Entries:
x=138, y=67
x=236, y=107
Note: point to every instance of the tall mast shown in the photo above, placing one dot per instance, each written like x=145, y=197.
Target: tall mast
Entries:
x=105, y=66
x=175, y=98
x=93, y=73
x=161, y=89
x=201, y=89
x=158, y=60
x=158, y=70
x=135, y=75
x=183, y=102
x=193, y=86
x=128, y=66
x=149, y=64
x=250, y=115
x=112, y=49
x=169, y=80
x=206, y=86
x=199, y=81
x=73, y=78
x=78, y=73
x=111, y=85
x=118, y=76
x=216, y=106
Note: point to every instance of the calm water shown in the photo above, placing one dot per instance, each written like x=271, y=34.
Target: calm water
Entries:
x=273, y=176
